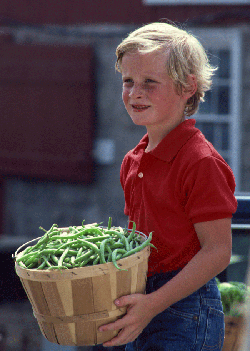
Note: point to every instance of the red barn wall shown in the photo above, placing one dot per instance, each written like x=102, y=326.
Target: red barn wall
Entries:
x=65, y=12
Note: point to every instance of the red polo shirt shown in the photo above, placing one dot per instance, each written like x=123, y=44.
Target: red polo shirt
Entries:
x=181, y=182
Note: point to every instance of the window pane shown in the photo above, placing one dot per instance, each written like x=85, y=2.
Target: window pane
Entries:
x=206, y=106
x=199, y=125
x=222, y=136
x=223, y=104
x=216, y=133
x=208, y=131
x=224, y=64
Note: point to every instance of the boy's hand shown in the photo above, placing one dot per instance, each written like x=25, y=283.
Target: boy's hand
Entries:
x=139, y=314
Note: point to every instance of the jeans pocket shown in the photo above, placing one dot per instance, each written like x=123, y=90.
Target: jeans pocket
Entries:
x=181, y=314
x=214, y=333
x=182, y=328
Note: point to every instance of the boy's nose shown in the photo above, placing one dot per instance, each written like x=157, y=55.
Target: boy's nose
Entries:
x=136, y=91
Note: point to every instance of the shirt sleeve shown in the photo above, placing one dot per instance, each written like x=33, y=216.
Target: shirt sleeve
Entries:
x=124, y=171
x=209, y=191
x=123, y=176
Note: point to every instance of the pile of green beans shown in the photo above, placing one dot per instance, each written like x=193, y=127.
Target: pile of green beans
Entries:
x=87, y=245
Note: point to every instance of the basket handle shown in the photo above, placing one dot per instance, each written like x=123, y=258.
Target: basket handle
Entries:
x=28, y=242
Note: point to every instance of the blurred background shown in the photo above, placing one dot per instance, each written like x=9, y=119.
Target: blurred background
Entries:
x=64, y=129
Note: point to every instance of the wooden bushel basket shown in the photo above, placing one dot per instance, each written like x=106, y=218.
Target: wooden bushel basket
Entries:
x=71, y=304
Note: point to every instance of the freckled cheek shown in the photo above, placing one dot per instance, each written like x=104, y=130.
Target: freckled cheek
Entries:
x=125, y=96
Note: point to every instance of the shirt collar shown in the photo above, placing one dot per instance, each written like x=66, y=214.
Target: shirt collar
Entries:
x=170, y=145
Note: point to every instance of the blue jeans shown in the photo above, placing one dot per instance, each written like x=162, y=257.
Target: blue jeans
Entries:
x=195, y=323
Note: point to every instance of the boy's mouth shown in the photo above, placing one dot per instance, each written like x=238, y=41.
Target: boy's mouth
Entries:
x=140, y=108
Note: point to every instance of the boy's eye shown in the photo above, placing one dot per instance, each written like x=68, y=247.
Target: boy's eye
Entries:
x=128, y=80
x=150, y=81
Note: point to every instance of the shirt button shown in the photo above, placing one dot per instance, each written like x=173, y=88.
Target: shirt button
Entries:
x=140, y=175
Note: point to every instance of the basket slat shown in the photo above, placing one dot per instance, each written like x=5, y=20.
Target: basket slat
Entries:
x=102, y=288
x=86, y=295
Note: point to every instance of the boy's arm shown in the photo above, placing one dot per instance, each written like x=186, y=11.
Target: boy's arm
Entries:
x=216, y=245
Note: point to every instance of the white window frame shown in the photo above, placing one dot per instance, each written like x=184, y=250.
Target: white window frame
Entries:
x=196, y=2
x=220, y=38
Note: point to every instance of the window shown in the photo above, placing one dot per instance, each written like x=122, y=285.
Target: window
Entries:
x=219, y=116
x=196, y=2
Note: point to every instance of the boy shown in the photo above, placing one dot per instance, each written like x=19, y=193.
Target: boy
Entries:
x=178, y=186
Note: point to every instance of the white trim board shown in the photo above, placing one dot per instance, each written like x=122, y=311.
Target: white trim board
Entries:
x=222, y=38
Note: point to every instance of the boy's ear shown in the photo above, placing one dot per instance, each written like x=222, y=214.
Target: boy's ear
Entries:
x=192, y=86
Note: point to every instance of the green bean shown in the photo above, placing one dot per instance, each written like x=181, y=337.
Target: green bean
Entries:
x=118, y=257
x=42, y=265
x=87, y=253
x=110, y=253
x=65, y=245
x=111, y=232
x=46, y=261
x=86, y=261
x=25, y=251
x=28, y=255
x=95, y=239
x=120, y=235
x=88, y=231
x=45, y=238
x=31, y=265
x=109, y=223
x=81, y=246
x=67, y=265
x=55, y=259
x=139, y=248
x=57, y=267
x=114, y=258
x=132, y=233
x=121, y=230
x=79, y=252
x=96, y=260
x=60, y=262
x=118, y=245
x=131, y=245
x=51, y=230
x=89, y=245
x=94, y=231
x=21, y=264
x=102, y=249
x=57, y=251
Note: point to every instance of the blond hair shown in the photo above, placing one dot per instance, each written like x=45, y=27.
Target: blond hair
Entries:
x=185, y=55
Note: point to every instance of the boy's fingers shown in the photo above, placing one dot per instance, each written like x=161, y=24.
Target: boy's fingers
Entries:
x=119, y=324
x=126, y=300
x=116, y=341
x=124, y=336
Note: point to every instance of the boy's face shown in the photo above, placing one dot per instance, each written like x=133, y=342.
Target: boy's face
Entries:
x=149, y=95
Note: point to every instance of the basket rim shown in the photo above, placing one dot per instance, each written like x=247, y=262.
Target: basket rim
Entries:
x=83, y=272
x=86, y=271
x=35, y=239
